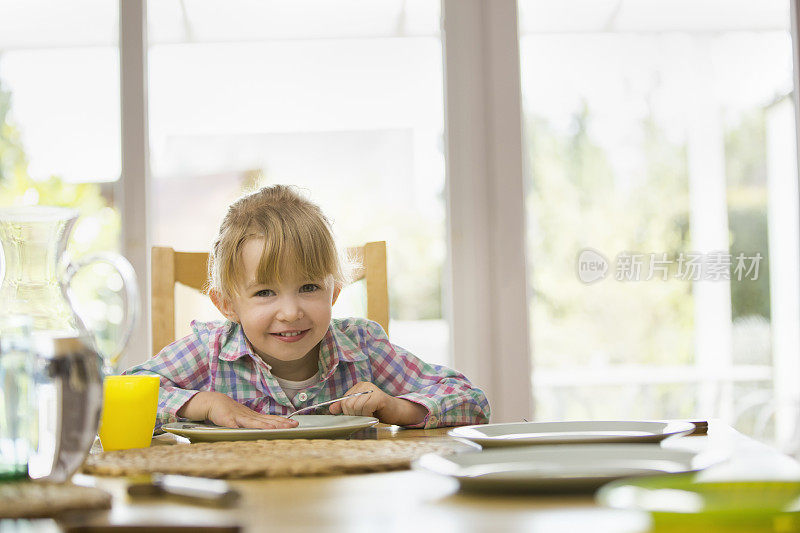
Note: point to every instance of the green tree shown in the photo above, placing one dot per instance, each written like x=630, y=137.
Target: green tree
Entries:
x=576, y=200
x=746, y=172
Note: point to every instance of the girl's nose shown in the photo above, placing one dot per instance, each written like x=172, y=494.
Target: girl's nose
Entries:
x=289, y=310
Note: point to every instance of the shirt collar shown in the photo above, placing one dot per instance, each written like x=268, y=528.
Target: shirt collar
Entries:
x=234, y=344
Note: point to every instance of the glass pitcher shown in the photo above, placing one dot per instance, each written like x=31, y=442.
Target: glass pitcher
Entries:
x=36, y=283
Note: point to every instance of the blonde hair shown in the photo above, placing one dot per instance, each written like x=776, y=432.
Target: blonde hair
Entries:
x=297, y=239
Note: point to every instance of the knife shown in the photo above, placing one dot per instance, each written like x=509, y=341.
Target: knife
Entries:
x=197, y=489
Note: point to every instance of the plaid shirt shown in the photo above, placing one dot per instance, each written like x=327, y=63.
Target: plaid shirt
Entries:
x=217, y=357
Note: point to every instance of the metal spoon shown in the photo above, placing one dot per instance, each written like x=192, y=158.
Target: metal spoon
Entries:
x=290, y=415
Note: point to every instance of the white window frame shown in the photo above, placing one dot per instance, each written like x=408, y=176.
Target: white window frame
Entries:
x=488, y=300
x=786, y=366
x=132, y=189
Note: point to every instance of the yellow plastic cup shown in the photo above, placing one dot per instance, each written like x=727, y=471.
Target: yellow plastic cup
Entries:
x=129, y=411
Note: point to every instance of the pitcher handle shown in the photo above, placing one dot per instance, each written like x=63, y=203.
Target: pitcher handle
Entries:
x=131, y=291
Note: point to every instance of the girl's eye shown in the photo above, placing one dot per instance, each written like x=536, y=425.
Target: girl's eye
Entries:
x=309, y=287
x=265, y=292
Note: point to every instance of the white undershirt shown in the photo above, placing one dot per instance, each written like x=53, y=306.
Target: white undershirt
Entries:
x=292, y=388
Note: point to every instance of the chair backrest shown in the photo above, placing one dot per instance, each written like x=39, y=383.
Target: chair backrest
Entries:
x=169, y=267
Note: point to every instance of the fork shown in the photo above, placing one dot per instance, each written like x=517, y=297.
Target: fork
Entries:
x=290, y=415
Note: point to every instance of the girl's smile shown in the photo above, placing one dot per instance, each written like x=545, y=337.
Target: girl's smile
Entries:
x=290, y=336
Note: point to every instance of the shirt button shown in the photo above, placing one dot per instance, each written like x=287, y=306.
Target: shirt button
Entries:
x=302, y=396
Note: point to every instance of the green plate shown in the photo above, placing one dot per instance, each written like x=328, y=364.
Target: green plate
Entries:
x=682, y=503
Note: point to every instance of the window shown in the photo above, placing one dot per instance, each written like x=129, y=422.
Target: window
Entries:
x=660, y=148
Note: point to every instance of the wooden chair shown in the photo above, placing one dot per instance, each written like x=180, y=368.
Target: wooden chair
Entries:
x=169, y=267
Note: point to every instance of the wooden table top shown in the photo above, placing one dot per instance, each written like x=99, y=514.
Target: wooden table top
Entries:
x=408, y=500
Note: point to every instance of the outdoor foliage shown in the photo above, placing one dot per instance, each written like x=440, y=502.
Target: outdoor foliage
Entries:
x=746, y=169
x=575, y=202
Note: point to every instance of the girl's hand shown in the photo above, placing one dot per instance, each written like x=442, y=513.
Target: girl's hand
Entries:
x=387, y=409
x=223, y=410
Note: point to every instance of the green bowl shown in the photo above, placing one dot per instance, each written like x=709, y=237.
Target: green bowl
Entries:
x=681, y=502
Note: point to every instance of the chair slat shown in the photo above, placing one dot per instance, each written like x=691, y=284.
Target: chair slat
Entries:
x=191, y=269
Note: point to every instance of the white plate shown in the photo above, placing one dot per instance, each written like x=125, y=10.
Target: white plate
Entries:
x=570, y=467
x=524, y=433
x=310, y=427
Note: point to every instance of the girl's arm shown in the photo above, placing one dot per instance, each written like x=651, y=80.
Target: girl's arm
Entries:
x=224, y=411
x=449, y=397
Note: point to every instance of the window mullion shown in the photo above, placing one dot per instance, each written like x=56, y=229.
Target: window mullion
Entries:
x=486, y=217
x=132, y=187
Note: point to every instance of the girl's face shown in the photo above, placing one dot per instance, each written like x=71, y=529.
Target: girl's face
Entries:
x=283, y=321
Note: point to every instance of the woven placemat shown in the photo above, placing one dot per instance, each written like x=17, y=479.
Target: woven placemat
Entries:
x=267, y=458
x=38, y=499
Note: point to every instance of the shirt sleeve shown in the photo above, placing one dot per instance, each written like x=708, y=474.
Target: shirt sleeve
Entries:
x=183, y=367
x=449, y=397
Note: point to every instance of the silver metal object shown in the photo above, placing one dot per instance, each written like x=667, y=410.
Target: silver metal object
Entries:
x=70, y=397
x=290, y=415
x=196, y=489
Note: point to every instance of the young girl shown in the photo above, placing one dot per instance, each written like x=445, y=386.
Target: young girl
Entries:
x=275, y=274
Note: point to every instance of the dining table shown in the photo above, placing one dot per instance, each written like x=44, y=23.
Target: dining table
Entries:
x=401, y=500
